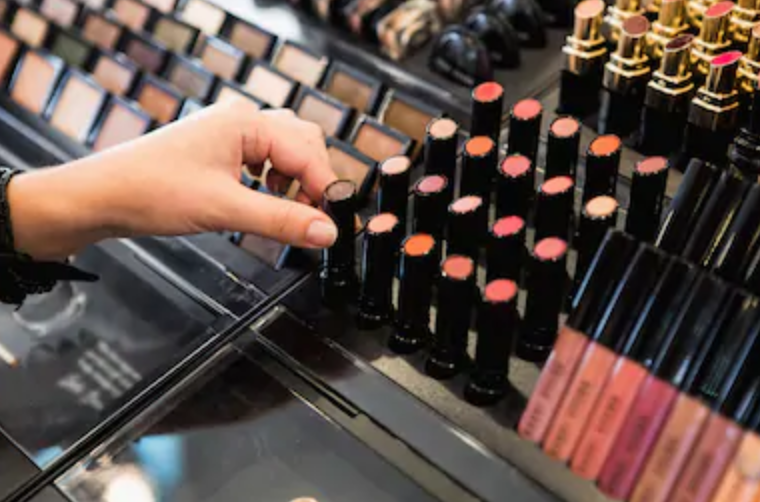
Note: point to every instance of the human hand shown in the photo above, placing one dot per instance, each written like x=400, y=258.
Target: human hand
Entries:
x=181, y=179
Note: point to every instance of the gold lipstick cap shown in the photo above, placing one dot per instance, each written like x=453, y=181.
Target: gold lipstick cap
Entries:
x=630, y=62
x=717, y=102
x=745, y=15
x=671, y=85
x=695, y=11
x=586, y=47
x=714, y=37
x=749, y=66
x=653, y=7
x=671, y=22
x=617, y=15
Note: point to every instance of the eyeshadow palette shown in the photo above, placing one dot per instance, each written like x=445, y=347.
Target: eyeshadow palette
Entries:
x=158, y=99
x=270, y=86
x=253, y=40
x=102, y=31
x=330, y=114
x=115, y=72
x=407, y=115
x=300, y=64
x=121, y=121
x=10, y=49
x=205, y=16
x=378, y=141
x=64, y=13
x=30, y=27
x=348, y=163
x=132, y=13
x=35, y=78
x=190, y=78
x=352, y=87
x=226, y=90
x=148, y=54
x=222, y=58
x=76, y=105
x=72, y=49
x=175, y=34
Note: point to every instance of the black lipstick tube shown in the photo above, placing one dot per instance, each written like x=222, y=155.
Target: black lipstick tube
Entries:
x=338, y=275
x=467, y=224
x=650, y=177
x=431, y=197
x=514, y=185
x=393, y=187
x=602, y=165
x=505, y=250
x=441, y=148
x=487, y=110
x=382, y=237
x=525, y=128
x=555, y=208
x=562, y=148
x=598, y=216
x=479, y=159
x=742, y=241
x=744, y=152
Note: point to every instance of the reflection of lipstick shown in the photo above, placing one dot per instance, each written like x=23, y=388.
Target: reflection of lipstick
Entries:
x=744, y=17
x=713, y=114
x=617, y=15
x=670, y=23
x=625, y=80
x=585, y=53
x=714, y=38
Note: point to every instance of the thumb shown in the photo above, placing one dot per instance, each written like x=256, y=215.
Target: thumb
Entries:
x=286, y=221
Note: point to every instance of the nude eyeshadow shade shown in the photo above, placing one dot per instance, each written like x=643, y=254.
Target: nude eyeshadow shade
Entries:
x=30, y=27
x=62, y=12
x=76, y=106
x=226, y=91
x=378, y=141
x=357, y=90
x=190, y=78
x=159, y=100
x=132, y=13
x=121, y=121
x=328, y=113
x=222, y=58
x=101, y=31
x=115, y=72
x=300, y=64
x=147, y=54
x=165, y=6
x=34, y=80
x=204, y=16
x=350, y=164
x=270, y=86
x=407, y=115
x=175, y=34
x=95, y=4
x=9, y=52
x=254, y=41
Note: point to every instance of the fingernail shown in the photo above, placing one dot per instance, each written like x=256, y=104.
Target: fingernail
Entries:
x=321, y=234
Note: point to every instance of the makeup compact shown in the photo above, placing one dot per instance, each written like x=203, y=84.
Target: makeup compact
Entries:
x=226, y=90
x=205, y=16
x=300, y=64
x=116, y=72
x=160, y=100
x=165, y=6
x=121, y=121
x=76, y=105
x=222, y=58
x=74, y=50
x=175, y=34
x=189, y=77
x=148, y=54
x=348, y=163
x=10, y=48
x=407, y=115
x=35, y=79
x=327, y=112
x=358, y=90
x=132, y=13
x=408, y=27
x=62, y=12
x=30, y=27
x=378, y=141
x=101, y=30
x=253, y=40
x=269, y=85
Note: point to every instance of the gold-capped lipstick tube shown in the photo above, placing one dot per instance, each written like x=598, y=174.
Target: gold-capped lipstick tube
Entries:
x=749, y=66
x=714, y=38
x=617, y=14
x=714, y=111
x=625, y=80
x=667, y=100
x=744, y=17
x=585, y=53
x=653, y=9
x=671, y=22
x=695, y=11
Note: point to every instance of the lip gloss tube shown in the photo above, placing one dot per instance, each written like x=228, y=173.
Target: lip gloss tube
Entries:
x=691, y=408
x=714, y=38
x=650, y=177
x=441, y=148
x=630, y=369
x=602, y=164
x=547, y=282
x=659, y=390
x=686, y=206
x=466, y=227
x=505, y=251
x=431, y=198
x=562, y=148
x=588, y=304
x=625, y=80
x=487, y=110
x=742, y=241
x=338, y=275
x=417, y=269
x=554, y=208
x=498, y=322
x=599, y=358
x=670, y=24
x=382, y=237
x=525, y=128
x=720, y=209
x=599, y=215
x=515, y=180
x=456, y=294
x=479, y=161
x=393, y=191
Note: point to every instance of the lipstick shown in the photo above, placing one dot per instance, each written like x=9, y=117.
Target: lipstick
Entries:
x=382, y=236
x=456, y=294
x=617, y=15
x=650, y=177
x=505, y=250
x=393, y=187
x=525, y=128
x=441, y=148
x=714, y=112
x=554, y=208
x=479, y=161
x=487, y=110
x=338, y=276
x=416, y=271
x=598, y=216
x=625, y=78
x=514, y=184
x=671, y=23
x=562, y=148
x=744, y=152
x=714, y=38
x=547, y=281
x=498, y=322
x=659, y=390
x=630, y=370
x=585, y=54
x=688, y=202
x=599, y=357
x=741, y=242
x=587, y=307
x=667, y=99
x=749, y=66
x=466, y=227
x=430, y=200
x=744, y=17
x=602, y=164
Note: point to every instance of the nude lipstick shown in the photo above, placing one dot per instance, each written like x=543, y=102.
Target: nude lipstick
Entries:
x=714, y=38
x=514, y=184
x=617, y=14
x=525, y=128
x=393, y=187
x=430, y=201
x=338, y=276
x=670, y=24
x=382, y=237
x=602, y=165
x=467, y=224
x=562, y=148
x=598, y=216
x=554, y=209
x=441, y=148
x=487, y=110
x=650, y=177
x=479, y=160
x=505, y=250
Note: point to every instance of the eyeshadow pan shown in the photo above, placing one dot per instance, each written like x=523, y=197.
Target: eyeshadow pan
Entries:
x=175, y=35
x=206, y=17
x=95, y=4
x=190, y=106
x=132, y=13
x=190, y=79
x=101, y=32
x=149, y=58
x=161, y=105
x=300, y=65
x=116, y=77
x=165, y=6
x=121, y=123
x=34, y=82
x=350, y=90
x=322, y=113
x=222, y=59
x=254, y=41
x=268, y=86
x=406, y=118
x=347, y=167
x=62, y=12
x=9, y=50
x=76, y=107
x=30, y=27
x=73, y=51
x=228, y=92
x=376, y=144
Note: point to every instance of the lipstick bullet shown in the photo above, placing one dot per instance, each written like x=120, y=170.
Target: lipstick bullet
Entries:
x=667, y=100
x=602, y=165
x=514, y=184
x=498, y=322
x=741, y=242
x=624, y=83
x=686, y=206
x=441, y=148
x=650, y=177
x=467, y=225
x=547, y=282
x=479, y=162
x=659, y=390
x=744, y=17
x=487, y=110
x=393, y=188
x=382, y=237
x=416, y=272
x=617, y=15
x=714, y=38
x=431, y=198
x=585, y=53
x=555, y=208
x=744, y=152
x=562, y=148
x=587, y=308
x=525, y=128
x=598, y=216
x=671, y=23
x=714, y=112
x=599, y=357
x=338, y=275
x=505, y=251
x=456, y=293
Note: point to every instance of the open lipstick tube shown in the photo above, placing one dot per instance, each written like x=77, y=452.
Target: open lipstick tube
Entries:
x=393, y=187
x=650, y=177
x=505, y=250
x=744, y=18
x=466, y=227
x=562, y=145
x=525, y=128
x=602, y=165
x=382, y=237
x=744, y=152
x=431, y=197
x=714, y=38
x=625, y=80
x=671, y=23
x=479, y=160
x=606, y=268
x=514, y=185
x=338, y=279
x=555, y=208
x=741, y=242
x=667, y=99
x=487, y=110
x=598, y=216
x=617, y=15
x=441, y=148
